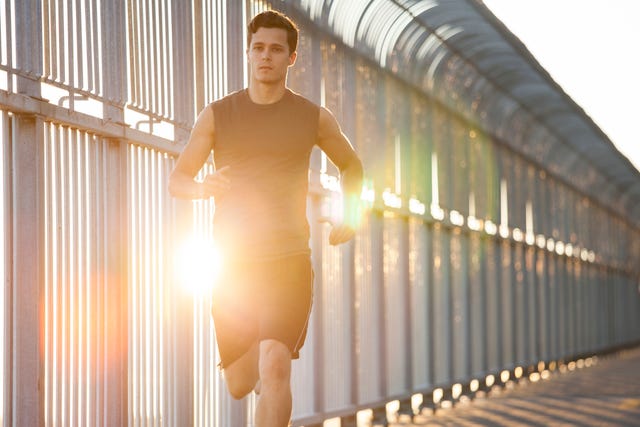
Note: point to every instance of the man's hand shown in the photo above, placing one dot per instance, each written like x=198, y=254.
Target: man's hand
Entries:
x=341, y=233
x=217, y=183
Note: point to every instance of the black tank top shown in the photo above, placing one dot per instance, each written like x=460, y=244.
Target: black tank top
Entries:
x=267, y=148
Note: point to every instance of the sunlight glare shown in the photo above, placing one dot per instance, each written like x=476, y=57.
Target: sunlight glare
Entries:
x=198, y=263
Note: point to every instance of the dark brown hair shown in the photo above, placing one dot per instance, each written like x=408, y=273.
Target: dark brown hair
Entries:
x=274, y=19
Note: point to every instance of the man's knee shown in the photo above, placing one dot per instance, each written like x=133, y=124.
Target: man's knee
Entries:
x=275, y=361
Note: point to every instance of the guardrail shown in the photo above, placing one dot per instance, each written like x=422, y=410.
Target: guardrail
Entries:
x=455, y=278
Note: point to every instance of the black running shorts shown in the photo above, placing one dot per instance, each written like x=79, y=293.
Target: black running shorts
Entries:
x=262, y=299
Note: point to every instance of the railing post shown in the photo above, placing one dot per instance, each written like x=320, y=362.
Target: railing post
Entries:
x=116, y=292
x=26, y=279
x=114, y=72
x=25, y=302
x=181, y=353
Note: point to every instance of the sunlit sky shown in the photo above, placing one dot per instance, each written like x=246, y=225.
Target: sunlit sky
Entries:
x=591, y=48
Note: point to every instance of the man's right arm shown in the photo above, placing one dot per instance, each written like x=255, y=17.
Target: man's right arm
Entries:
x=195, y=153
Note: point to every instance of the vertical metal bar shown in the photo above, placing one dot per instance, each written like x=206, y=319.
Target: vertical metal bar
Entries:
x=507, y=301
x=494, y=307
x=419, y=301
x=318, y=312
x=460, y=349
x=556, y=306
x=532, y=302
x=442, y=306
x=565, y=306
x=465, y=290
x=377, y=279
x=348, y=123
x=5, y=266
x=114, y=62
x=235, y=45
x=183, y=30
x=28, y=46
x=429, y=304
x=403, y=266
x=349, y=294
x=542, y=291
x=199, y=56
x=520, y=307
x=478, y=329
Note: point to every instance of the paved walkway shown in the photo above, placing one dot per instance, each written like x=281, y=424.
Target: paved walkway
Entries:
x=605, y=394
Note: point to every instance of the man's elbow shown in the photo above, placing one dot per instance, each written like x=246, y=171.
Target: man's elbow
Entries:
x=360, y=167
x=173, y=185
x=352, y=176
x=172, y=189
x=356, y=169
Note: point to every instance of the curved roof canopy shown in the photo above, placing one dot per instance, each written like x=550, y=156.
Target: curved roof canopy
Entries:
x=458, y=52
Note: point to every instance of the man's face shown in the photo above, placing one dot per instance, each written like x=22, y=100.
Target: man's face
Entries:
x=269, y=56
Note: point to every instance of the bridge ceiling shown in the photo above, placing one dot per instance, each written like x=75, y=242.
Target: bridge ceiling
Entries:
x=458, y=52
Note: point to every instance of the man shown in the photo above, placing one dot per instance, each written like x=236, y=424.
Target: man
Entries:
x=262, y=139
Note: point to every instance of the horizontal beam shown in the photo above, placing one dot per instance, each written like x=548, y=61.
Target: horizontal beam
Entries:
x=24, y=104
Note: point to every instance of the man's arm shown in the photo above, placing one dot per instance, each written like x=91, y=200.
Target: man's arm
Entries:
x=190, y=161
x=337, y=147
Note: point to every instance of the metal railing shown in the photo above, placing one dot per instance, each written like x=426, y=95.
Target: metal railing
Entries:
x=471, y=260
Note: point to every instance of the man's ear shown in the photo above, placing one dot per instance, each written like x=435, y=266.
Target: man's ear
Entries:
x=292, y=58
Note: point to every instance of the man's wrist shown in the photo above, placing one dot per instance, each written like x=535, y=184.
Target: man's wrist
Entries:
x=351, y=211
x=199, y=192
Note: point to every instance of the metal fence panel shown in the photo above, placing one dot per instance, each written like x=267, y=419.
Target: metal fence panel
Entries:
x=74, y=240
x=148, y=285
x=420, y=300
x=72, y=33
x=396, y=306
x=369, y=336
x=336, y=306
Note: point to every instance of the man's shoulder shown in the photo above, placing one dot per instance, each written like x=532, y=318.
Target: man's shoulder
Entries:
x=230, y=97
x=302, y=103
x=227, y=102
x=301, y=99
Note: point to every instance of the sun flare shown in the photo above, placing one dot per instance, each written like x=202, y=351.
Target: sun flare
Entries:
x=197, y=264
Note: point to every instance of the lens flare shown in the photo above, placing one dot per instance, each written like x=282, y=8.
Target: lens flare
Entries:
x=197, y=264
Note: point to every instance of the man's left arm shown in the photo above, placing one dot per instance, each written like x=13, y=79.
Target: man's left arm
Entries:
x=339, y=150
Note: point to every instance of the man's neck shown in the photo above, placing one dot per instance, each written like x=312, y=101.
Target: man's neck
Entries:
x=262, y=93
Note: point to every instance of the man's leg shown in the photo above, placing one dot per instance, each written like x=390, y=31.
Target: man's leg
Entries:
x=274, y=404
x=242, y=374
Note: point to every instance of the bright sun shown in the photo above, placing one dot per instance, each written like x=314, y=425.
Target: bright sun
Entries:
x=197, y=264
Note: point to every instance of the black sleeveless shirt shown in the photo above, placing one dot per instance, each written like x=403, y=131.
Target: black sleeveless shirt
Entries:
x=267, y=147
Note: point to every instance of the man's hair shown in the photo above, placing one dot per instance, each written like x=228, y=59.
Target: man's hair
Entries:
x=274, y=19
